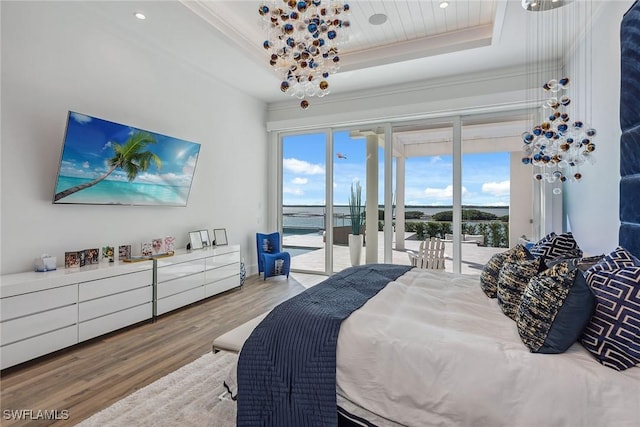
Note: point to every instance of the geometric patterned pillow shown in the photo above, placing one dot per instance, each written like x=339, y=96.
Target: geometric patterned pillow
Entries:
x=542, y=245
x=586, y=263
x=491, y=270
x=556, y=306
x=619, y=258
x=513, y=280
x=582, y=263
x=557, y=246
x=613, y=334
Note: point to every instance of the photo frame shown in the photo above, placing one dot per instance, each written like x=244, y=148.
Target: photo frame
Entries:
x=71, y=259
x=204, y=236
x=220, y=236
x=195, y=240
x=146, y=248
x=157, y=246
x=124, y=252
x=170, y=244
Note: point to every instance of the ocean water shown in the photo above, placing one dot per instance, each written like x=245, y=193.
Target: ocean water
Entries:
x=123, y=193
x=312, y=218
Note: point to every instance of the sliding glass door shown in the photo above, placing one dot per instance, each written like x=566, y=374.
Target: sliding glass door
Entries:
x=304, y=215
x=459, y=179
x=329, y=165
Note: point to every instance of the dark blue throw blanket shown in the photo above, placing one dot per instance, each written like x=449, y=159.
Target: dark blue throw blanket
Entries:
x=287, y=366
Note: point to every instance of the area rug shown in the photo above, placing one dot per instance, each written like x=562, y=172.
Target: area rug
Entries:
x=187, y=397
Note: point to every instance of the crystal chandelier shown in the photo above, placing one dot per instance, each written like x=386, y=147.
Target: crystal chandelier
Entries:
x=302, y=40
x=558, y=145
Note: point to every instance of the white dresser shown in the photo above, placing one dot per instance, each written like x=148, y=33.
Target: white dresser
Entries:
x=44, y=312
x=187, y=277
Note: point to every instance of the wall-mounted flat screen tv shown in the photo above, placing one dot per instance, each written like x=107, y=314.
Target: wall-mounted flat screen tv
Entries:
x=107, y=163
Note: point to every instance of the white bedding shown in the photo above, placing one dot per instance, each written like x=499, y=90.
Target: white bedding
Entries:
x=432, y=349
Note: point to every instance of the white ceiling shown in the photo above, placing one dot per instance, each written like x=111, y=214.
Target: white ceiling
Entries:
x=419, y=41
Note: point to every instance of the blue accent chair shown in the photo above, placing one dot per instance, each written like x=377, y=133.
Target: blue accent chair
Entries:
x=268, y=248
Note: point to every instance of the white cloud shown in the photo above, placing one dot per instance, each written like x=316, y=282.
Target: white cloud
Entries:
x=299, y=181
x=80, y=118
x=442, y=193
x=86, y=165
x=293, y=191
x=496, y=188
x=189, y=165
x=302, y=167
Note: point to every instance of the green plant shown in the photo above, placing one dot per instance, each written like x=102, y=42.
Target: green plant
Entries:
x=355, y=207
x=467, y=215
x=413, y=215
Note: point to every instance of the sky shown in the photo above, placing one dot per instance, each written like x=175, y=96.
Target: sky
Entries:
x=428, y=182
x=88, y=147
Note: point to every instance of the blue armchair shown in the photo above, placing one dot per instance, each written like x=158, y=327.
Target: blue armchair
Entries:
x=271, y=261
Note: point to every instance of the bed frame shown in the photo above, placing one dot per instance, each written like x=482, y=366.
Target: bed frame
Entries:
x=629, y=235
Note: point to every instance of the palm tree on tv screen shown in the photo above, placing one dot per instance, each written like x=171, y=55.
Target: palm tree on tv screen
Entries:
x=130, y=157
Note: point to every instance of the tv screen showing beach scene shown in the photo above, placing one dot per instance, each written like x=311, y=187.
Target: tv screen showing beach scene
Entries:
x=107, y=163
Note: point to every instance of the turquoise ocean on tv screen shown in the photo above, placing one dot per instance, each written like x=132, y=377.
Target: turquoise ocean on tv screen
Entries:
x=123, y=193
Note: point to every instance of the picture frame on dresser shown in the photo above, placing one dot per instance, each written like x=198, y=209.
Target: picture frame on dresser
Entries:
x=220, y=236
x=195, y=240
x=204, y=236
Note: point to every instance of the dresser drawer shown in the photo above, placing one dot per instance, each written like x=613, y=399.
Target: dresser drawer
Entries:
x=31, y=348
x=221, y=260
x=34, y=302
x=37, y=324
x=182, y=269
x=222, y=272
x=114, y=303
x=214, y=288
x=114, y=321
x=180, y=285
x=113, y=285
x=179, y=300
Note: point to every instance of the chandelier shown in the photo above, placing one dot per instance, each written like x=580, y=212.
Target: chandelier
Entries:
x=542, y=5
x=302, y=40
x=558, y=145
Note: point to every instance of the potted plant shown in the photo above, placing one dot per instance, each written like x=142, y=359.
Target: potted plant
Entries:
x=355, y=211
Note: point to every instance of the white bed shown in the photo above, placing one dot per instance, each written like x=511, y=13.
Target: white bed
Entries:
x=432, y=349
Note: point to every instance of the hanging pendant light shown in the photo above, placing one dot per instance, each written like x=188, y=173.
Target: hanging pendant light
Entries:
x=302, y=40
x=542, y=5
x=558, y=144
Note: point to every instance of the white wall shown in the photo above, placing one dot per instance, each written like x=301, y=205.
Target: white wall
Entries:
x=58, y=57
x=592, y=206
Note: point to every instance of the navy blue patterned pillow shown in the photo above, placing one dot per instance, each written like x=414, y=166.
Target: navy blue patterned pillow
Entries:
x=557, y=246
x=542, y=245
x=491, y=270
x=619, y=258
x=613, y=334
x=556, y=306
x=582, y=263
x=513, y=280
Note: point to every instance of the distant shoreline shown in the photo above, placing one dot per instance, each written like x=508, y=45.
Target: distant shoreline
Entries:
x=413, y=206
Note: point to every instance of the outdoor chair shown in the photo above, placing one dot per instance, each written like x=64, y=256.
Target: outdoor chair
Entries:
x=430, y=255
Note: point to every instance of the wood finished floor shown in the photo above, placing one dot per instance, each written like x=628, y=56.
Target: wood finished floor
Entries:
x=91, y=376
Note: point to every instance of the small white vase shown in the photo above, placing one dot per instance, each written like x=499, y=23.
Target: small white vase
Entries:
x=355, y=248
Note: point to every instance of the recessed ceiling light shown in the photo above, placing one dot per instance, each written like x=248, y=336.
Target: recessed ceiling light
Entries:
x=444, y=4
x=140, y=15
x=377, y=19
